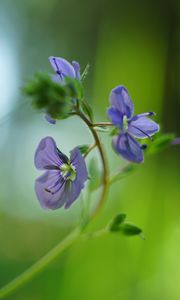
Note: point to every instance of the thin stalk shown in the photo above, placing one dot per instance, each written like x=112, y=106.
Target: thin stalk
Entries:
x=40, y=264
x=102, y=124
x=104, y=163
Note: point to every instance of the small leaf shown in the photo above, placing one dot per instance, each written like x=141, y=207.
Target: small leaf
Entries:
x=114, y=131
x=116, y=222
x=85, y=72
x=75, y=88
x=101, y=128
x=95, y=175
x=129, y=229
x=161, y=142
x=87, y=109
x=83, y=148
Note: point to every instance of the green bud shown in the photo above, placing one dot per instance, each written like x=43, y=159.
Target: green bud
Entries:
x=49, y=96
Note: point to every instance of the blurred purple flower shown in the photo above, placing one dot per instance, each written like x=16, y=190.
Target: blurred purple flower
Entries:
x=176, y=141
x=63, y=179
x=130, y=127
x=63, y=69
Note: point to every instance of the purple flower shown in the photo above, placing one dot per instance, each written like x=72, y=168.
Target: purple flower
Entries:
x=63, y=179
x=63, y=69
x=130, y=127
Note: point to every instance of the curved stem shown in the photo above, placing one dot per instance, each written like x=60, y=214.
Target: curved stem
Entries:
x=40, y=264
x=104, y=163
x=72, y=237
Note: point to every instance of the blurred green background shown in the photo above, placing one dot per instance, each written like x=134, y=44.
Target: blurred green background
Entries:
x=134, y=43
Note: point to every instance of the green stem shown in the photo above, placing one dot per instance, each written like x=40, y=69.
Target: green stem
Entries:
x=102, y=124
x=105, y=181
x=73, y=236
x=40, y=264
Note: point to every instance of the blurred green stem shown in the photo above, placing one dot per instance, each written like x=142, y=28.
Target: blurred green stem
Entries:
x=74, y=235
x=40, y=264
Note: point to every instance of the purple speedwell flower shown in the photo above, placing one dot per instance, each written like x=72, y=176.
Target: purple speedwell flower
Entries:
x=130, y=127
x=63, y=179
x=64, y=69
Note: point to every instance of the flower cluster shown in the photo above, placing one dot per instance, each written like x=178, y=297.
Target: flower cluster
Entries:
x=64, y=177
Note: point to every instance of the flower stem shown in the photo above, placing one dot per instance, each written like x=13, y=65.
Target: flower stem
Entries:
x=102, y=124
x=105, y=181
x=40, y=264
x=74, y=235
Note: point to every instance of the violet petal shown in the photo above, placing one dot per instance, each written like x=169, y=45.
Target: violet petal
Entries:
x=128, y=148
x=47, y=154
x=120, y=99
x=49, y=189
x=62, y=67
x=115, y=116
x=143, y=127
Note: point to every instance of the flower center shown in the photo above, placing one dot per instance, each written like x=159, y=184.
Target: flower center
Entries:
x=125, y=123
x=68, y=171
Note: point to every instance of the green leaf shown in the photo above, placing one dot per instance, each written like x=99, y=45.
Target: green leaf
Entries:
x=114, y=131
x=161, y=142
x=123, y=173
x=74, y=88
x=116, y=222
x=101, y=128
x=85, y=72
x=87, y=109
x=130, y=229
x=83, y=148
x=95, y=175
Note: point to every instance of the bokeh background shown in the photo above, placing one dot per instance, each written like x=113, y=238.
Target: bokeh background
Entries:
x=134, y=43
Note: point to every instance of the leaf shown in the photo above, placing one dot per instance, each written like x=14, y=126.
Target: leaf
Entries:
x=75, y=88
x=101, y=128
x=85, y=72
x=87, y=109
x=130, y=229
x=161, y=142
x=116, y=222
x=83, y=148
x=114, y=131
x=95, y=175
x=123, y=173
